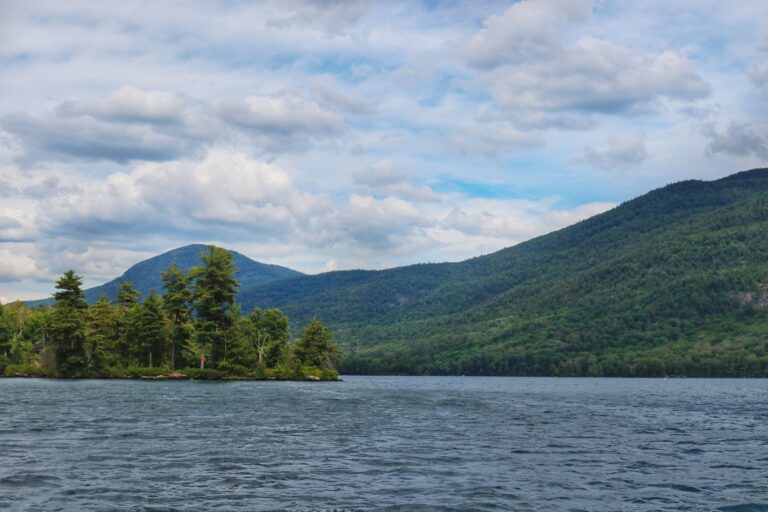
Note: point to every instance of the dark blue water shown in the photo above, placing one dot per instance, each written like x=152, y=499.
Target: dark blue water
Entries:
x=385, y=443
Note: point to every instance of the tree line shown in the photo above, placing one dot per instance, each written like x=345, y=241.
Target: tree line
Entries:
x=195, y=328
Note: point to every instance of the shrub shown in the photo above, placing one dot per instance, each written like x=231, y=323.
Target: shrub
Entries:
x=204, y=374
x=26, y=370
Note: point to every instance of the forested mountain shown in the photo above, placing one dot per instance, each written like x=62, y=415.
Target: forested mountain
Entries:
x=145, y=275
x=674, y=282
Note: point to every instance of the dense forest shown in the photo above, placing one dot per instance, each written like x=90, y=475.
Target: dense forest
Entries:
x=196, y=329
x=674, y=282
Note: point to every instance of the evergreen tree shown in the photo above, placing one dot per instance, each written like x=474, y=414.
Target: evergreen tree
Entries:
x=315, y=347
x=126, y=304
x=214, y=293
x=100, y=344
x=5, y=336
x=177, y=302
x=127, y=295
x=68, y=325
x=147, y=333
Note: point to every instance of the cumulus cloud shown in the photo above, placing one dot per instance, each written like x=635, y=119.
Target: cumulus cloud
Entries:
x=53, y=136
x=283, y=121
x=738, y=139
x=527, y=31
x=621, y=152
x=529, y=65
x=515, y=221
x=129, y=104
x=16, y=266
x=227, y=190
x=386, y=178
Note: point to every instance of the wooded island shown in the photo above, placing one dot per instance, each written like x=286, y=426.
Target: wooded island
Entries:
x=195, y=329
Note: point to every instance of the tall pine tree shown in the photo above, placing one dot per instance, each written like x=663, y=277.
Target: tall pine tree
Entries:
x=177, y=302
x=68, y=325
x=214, y=294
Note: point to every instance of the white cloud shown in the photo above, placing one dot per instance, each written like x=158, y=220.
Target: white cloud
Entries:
x=623, y=151
x=282, y=121
x=386, y=178
x=529, y=65
x=15, y=266
x=493, y=139
x=529, y=30
x=738, y=139
x=129, y=104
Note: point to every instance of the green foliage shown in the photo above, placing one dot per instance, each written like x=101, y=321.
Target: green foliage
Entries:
x=215, y=288
x=315, y=347
x=146, y=275
x=177, y=302
x=672, y=283
x=99, y=332
x=147, y=332
x=205, y=374
x=127, y=295
x=68, y=326
x=27, y=370
x=267, y=333
x=131, y=339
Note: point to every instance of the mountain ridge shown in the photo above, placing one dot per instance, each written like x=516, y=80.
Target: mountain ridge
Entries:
x=670, y=282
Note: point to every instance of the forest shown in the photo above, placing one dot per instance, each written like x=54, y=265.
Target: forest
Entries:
x=195, y=329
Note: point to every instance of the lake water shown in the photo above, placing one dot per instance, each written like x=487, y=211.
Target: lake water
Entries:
x=385, y=443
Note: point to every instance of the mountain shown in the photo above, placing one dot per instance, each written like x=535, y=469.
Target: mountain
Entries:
x=145, y=275
x=674, y=282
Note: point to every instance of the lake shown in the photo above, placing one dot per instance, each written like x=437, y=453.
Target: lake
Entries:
x=385, y=443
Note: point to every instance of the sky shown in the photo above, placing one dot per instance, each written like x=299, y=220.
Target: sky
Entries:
x=330, y=135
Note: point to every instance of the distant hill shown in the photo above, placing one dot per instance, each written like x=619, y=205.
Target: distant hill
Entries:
x=674, y=282
x=145, y=275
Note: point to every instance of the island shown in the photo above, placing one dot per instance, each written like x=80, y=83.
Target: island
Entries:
x=194, y=330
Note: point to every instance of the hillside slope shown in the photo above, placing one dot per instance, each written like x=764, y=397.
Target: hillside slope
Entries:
x=674, y=282
x=145, y=275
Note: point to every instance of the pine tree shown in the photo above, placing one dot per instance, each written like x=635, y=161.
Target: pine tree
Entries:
x=126, y=304
x=214, y=293
x=147, y=333
x=68, y=325
x=177, y=302
x=315, y=347
x=100, y=343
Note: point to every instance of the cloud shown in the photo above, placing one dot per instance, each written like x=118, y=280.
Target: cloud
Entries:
x=738, y=139
x=280, y=122
x=225, y=191
x=129, y=104
x=621, y=152
x=379, y=224
x=529, y=65
x=332, y=97
x=527, y=31
x=333, y=16
x=385, y=178
x=492, y=139
x=759, y=75
x=18, y=266
x=52, y=137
